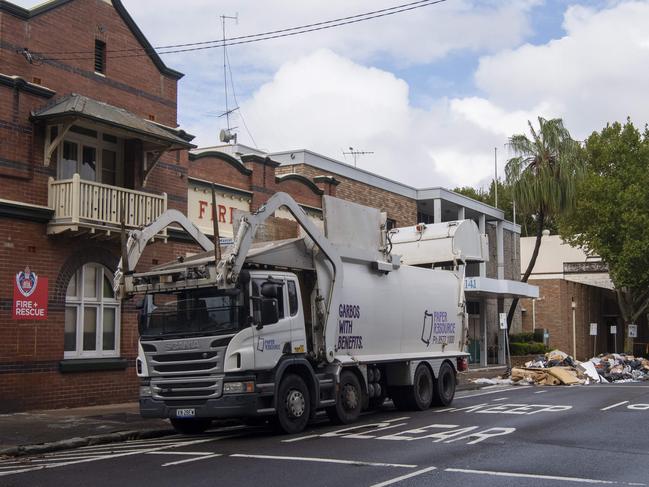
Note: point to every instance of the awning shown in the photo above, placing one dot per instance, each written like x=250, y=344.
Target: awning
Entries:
x=73, y=107
x=499, y=288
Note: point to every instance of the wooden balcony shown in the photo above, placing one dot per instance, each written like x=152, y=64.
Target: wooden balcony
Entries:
x=87, y=207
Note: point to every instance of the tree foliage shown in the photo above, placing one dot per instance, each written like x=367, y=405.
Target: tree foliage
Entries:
x=611, y=216
x=543, y=175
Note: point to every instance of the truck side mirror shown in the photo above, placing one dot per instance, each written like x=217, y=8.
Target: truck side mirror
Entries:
x=269, y=311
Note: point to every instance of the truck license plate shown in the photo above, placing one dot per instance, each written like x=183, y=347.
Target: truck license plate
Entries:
x=185, y=413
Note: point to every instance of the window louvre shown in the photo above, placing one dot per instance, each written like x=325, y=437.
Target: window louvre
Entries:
x=100, y=56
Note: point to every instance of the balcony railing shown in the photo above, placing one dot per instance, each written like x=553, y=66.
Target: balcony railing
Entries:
x=85, y=204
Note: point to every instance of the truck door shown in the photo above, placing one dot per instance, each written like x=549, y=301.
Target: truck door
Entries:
x=296, y=313
x=270, y=339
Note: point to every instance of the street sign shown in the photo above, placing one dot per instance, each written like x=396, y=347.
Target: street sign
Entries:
x=593, y=328
x=633, y=330
x=503, y=320
x=613, y=330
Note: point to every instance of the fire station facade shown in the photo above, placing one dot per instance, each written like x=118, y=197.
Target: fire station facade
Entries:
x=90, y=141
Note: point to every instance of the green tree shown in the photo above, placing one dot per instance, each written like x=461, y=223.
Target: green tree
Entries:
x=543, y=177
x=611, y=216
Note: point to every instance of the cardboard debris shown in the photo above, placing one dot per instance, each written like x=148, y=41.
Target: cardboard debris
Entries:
x=557, y=368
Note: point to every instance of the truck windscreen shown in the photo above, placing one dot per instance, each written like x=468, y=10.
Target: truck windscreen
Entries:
x=193, y=312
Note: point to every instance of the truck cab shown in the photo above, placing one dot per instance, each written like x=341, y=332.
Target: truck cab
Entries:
x=206, y=347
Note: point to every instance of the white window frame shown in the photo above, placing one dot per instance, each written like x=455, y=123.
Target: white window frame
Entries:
x=99, y=144
x=100, y=302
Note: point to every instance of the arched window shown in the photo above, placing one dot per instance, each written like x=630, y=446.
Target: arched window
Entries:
x=91, y=314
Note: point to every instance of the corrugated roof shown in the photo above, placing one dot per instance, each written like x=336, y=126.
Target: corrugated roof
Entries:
x=74, y=105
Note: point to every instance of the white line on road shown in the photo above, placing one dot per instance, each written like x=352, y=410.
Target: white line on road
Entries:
x=540, y=392
x=194, y=453
x=187, y=460
x=614, y=405
x=529, y=476
x=517, y=388
x=300, y=438
x=323, y=460
x=404, y=477
x=500, y=399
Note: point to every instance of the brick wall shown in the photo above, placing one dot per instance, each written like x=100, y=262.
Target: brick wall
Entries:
x=553, y=311
x=399, y=208
x=30, y=351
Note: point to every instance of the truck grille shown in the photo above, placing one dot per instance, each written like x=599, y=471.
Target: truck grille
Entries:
x=186, y=388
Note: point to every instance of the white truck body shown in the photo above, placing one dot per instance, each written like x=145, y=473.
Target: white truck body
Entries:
x=334, y=322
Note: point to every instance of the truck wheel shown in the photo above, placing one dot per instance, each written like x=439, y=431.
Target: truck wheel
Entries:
x=190, y=426
x=293, y=404
x=349, y=401
x=422, y=388
x=444, y=390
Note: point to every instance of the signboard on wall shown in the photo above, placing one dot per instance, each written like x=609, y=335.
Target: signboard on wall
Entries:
x=199, y=207
x=30, y=296
x=593, y=329
x=632, y=330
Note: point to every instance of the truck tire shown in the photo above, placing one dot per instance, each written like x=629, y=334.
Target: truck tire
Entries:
x=293, y=404
x=190, y=426
x=422, y=388
x=444, y=390
x=349, y=401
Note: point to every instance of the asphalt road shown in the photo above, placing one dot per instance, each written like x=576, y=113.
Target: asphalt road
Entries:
x=518, y=436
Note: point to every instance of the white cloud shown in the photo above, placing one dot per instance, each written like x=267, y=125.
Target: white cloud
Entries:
x=327, y=103
x=597, y=73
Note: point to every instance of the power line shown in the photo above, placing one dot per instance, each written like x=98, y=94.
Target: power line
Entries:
x=247, y=39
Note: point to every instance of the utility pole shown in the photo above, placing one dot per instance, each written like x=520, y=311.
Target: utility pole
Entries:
x=496, y=175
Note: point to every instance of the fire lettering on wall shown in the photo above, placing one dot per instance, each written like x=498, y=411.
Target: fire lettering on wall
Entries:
x=199, y=202
x=221, y=211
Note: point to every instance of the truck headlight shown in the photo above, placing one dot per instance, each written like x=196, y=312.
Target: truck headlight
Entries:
x=145, y=391
x=238, y=387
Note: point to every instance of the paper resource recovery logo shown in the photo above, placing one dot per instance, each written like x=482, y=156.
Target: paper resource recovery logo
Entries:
x=26, y=282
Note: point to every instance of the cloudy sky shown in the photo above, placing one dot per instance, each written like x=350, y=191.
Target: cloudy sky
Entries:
x=431, y=92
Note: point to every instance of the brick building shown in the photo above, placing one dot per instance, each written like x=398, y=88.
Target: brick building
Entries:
x=83, y=139
x=576, y=291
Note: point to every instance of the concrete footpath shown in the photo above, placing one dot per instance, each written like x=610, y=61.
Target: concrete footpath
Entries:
x=34, y=432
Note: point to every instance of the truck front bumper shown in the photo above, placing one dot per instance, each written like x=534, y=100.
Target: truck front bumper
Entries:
x=227, y=406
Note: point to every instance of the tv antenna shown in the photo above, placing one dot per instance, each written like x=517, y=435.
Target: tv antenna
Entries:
x=227, y=134
x=356, y=153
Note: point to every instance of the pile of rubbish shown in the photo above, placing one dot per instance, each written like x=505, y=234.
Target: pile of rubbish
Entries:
x=557, y=367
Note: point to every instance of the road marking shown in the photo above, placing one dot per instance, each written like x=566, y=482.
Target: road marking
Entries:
x=70, y=460
x=500, y=399
x=194, y=453
x=517, y=388
x=323, y=460
x=540, y=392
x=300, y=438
x=187, y=460
x=352, y=431
x=614, y=405
x=529, y=476
x=404, y=477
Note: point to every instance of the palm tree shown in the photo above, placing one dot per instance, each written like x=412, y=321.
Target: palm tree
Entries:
x=543, y=176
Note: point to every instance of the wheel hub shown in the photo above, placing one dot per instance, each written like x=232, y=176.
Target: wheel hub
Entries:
x=350, y=397
x=295, y=403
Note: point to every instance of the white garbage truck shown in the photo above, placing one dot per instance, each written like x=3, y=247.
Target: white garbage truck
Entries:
x=280, y=330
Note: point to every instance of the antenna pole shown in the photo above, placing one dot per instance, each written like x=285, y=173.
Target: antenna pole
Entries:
x=356, y=153
x=496, y=175
x=225, y=75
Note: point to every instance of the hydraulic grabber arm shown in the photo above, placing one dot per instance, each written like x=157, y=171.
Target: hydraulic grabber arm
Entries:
x=138, y=240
